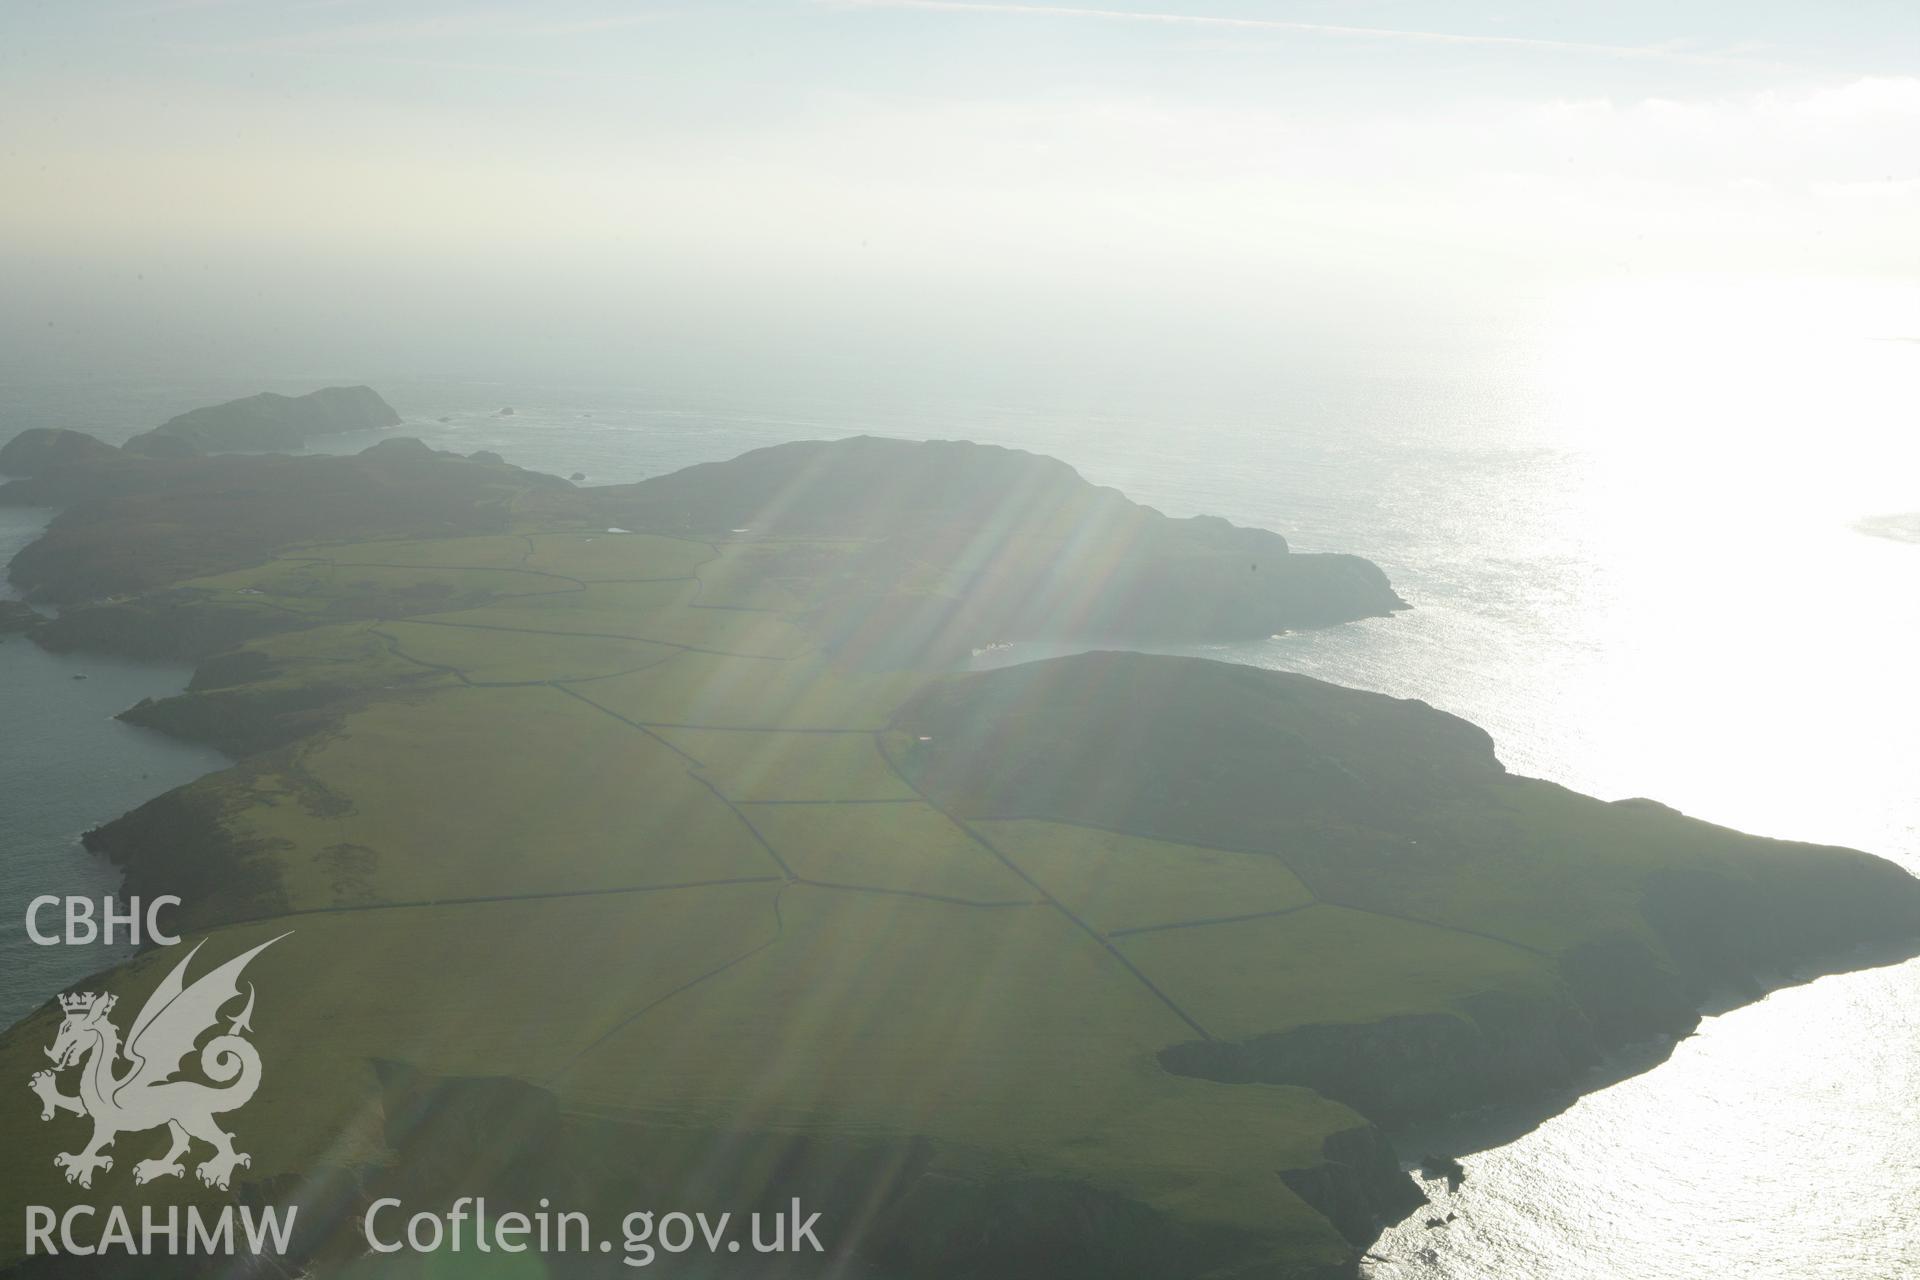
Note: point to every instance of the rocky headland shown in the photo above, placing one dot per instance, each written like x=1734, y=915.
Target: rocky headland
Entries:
x=650, y=832
x=267, y=422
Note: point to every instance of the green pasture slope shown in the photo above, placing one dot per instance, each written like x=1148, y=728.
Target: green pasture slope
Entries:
x=1147, y=942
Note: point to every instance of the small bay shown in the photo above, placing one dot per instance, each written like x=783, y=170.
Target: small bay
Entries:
x=69, y=766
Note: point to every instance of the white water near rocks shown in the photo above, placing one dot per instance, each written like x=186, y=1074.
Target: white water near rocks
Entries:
x=1635, y=552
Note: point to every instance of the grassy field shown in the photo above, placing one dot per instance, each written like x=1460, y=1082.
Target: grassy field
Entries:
x=761, y=767
x=1122, y=883
x=611, y=814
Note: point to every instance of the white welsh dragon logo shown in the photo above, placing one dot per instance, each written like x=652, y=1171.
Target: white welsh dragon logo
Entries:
x=145, y=1095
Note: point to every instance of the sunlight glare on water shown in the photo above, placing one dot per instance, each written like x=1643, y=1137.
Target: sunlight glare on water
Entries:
x=1632, y=535
x=1707, y=626
x=1633, y=547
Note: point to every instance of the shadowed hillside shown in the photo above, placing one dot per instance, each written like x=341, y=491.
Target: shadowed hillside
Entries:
x=901, y=554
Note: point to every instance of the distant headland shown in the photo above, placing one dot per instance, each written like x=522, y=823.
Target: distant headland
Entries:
x=268, y=421
x=959, y=545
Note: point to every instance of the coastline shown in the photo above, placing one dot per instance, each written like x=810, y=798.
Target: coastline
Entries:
x=1709, y=1119
x=1474, y=1130
x=80, y=767
x=1562, y=1067
x=1587, y=1085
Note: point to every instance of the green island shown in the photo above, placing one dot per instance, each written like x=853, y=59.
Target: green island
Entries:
x=651, y=844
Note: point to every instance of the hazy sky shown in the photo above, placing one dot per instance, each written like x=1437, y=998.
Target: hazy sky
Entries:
x=936, y=169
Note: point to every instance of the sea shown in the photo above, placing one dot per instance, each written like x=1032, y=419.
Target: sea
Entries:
x=1661, y=543
x=66, y=765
